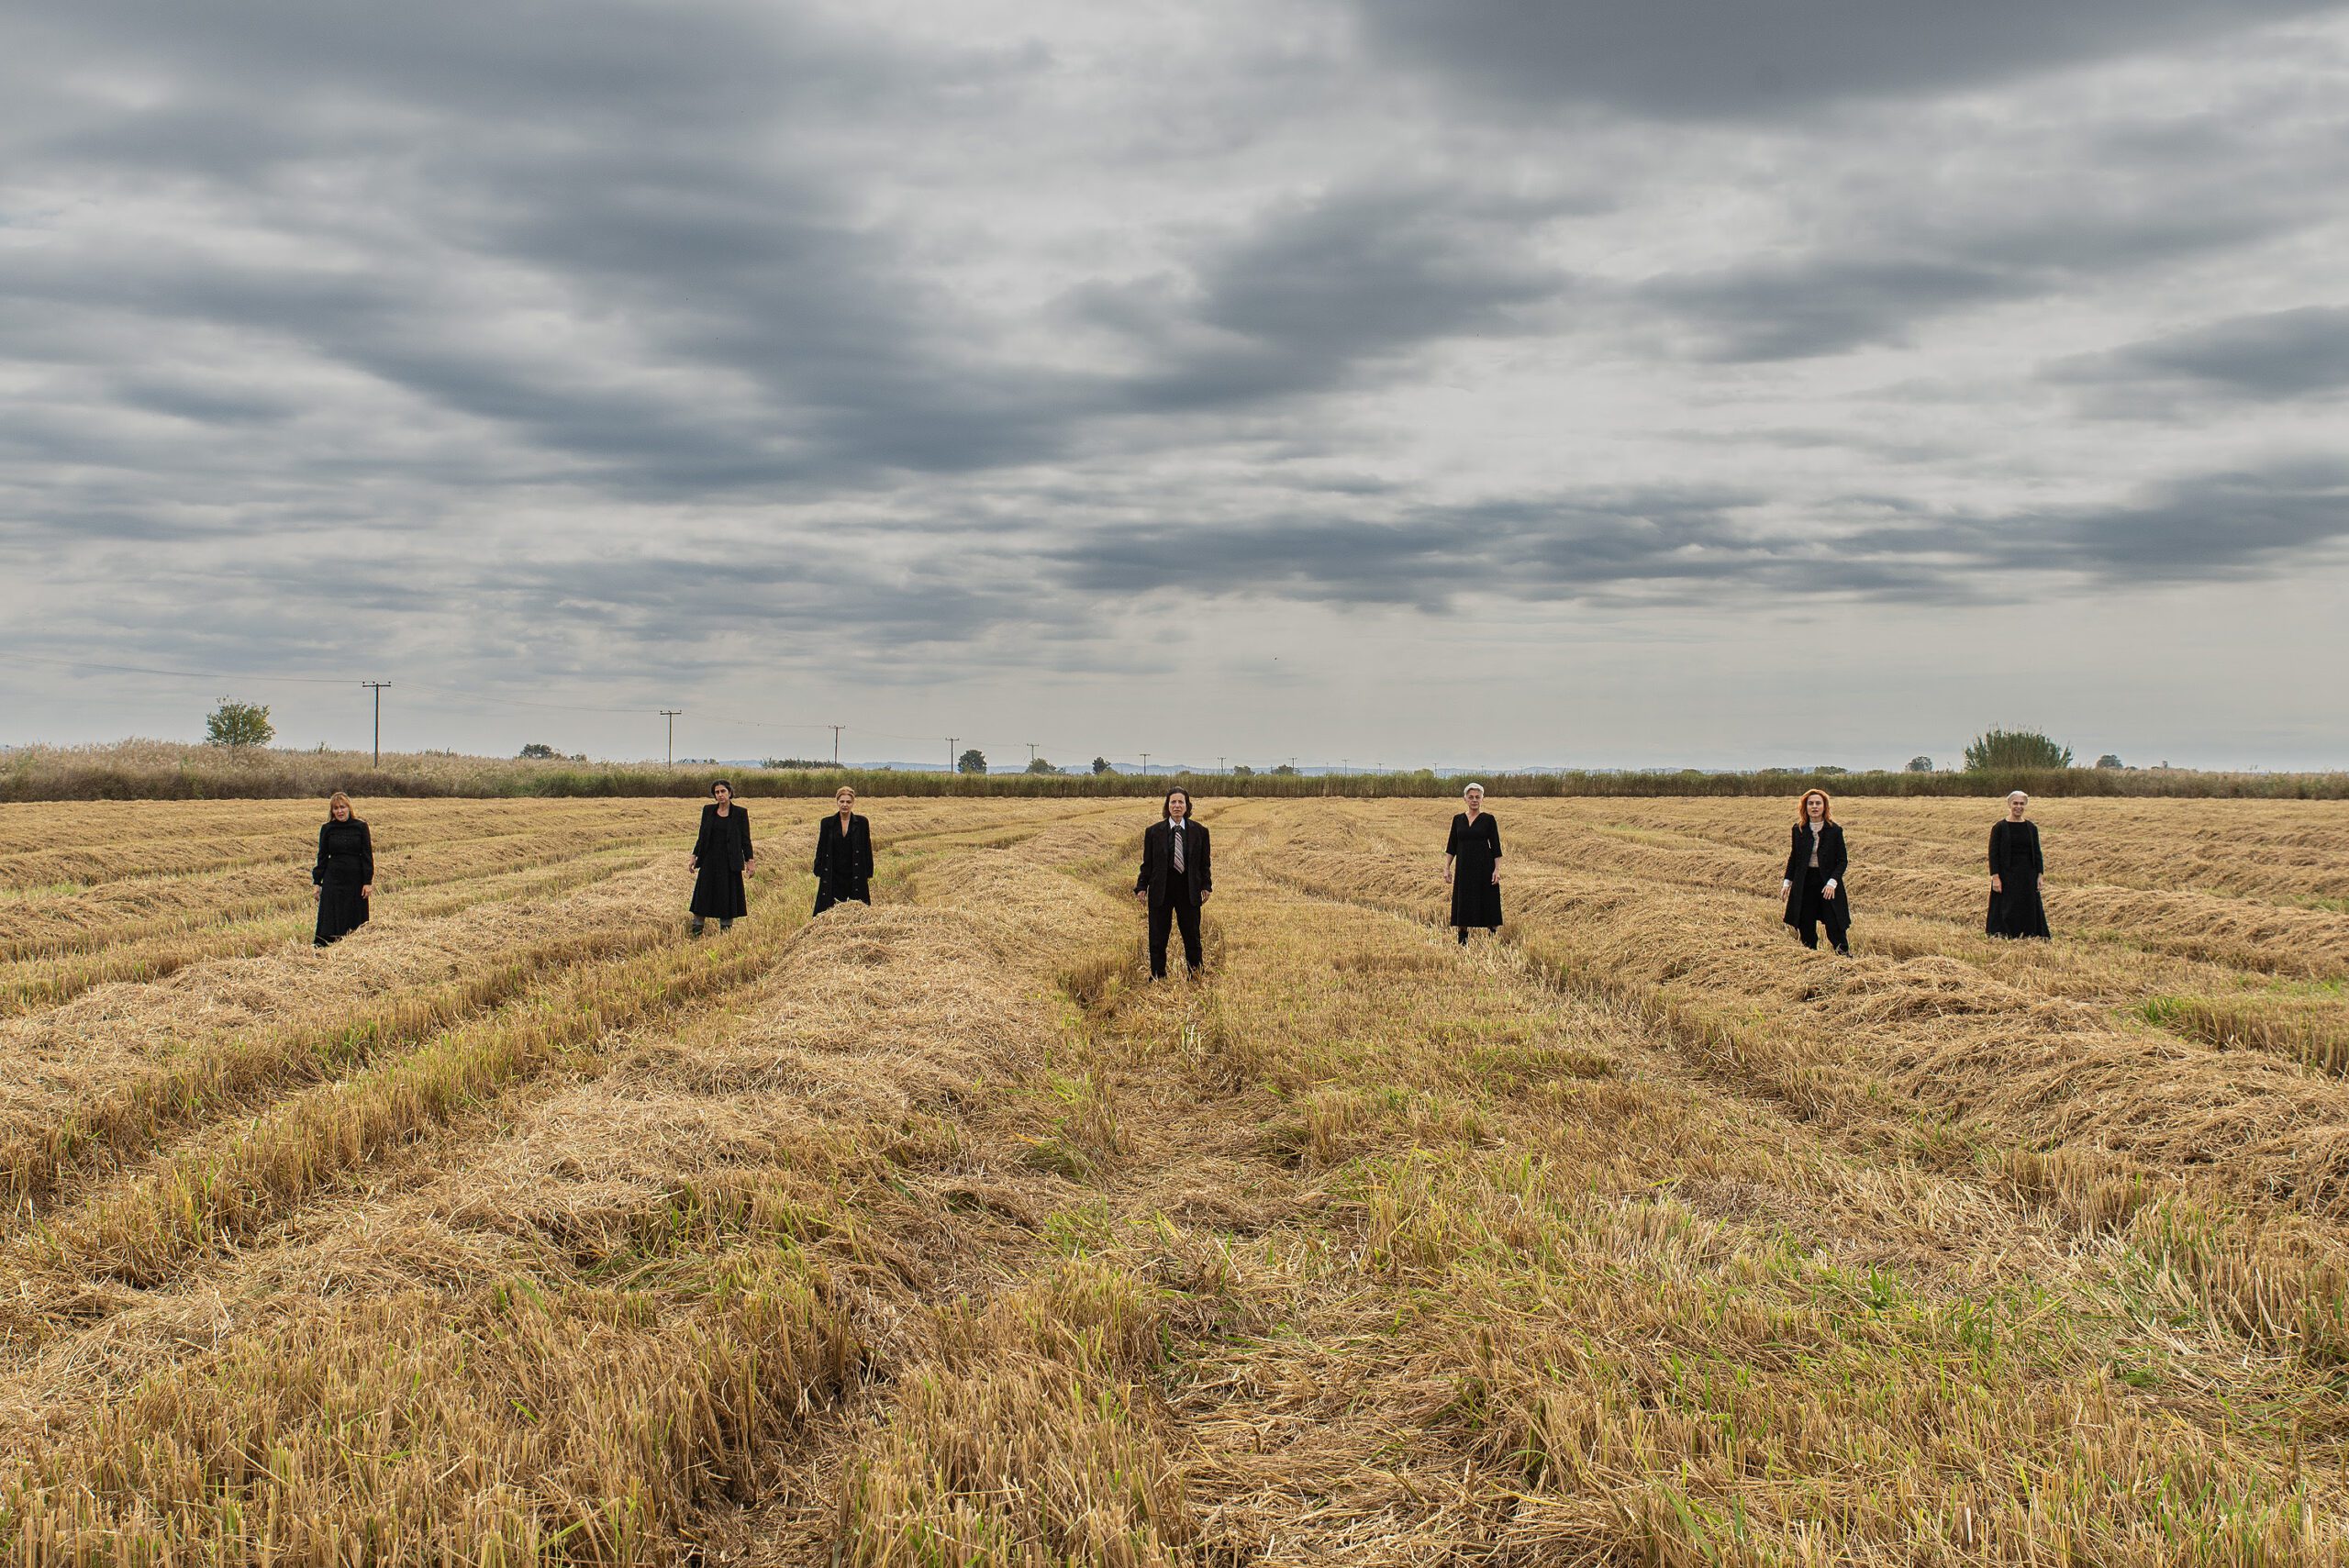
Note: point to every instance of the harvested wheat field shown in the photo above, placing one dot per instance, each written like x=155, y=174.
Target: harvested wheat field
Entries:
x=519, y=1228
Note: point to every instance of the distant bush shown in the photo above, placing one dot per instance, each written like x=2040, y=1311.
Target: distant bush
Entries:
x=2109, y=761
x=1038, y=765
x=798, y=764
x=239, y=723
x=972, y=762
x=1920, y=765
x=2002, y=750
x=1100, y=766
x=537, y=750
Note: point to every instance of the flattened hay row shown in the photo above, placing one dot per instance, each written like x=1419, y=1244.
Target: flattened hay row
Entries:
x=1530, y=1323
x=136, y=910
x=53, y=1063
x=2283, y=852
x=228, y=1188
x=762, y=1147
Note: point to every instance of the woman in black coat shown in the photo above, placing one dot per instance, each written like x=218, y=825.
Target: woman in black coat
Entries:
x=343, y=880
x=721, y=859
x=844, y=855
x=1814, y=881
x=1473, y=866
x=2017, y=870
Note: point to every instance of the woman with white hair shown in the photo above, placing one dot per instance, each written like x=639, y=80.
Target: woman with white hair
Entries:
x=1471, y=865
x=2017, y=870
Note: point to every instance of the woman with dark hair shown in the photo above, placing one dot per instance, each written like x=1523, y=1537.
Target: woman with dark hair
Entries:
x=2017, y=871
x=1175, y=878
x=721, y=859
x=1814, y=881
x=843, y=855
x=1471, y=865
x=343, y=880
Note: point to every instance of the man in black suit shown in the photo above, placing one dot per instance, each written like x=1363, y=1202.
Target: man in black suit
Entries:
x=1176, y=879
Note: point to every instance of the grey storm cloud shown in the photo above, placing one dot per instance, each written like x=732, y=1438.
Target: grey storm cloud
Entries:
x=2274, y=356
x=1715, y=58
x=606, y=337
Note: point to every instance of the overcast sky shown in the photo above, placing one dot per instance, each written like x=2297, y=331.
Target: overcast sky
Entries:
x=1695, y=382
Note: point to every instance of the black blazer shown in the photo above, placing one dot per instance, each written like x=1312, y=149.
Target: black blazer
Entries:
x=1158, y=862
x=1832, y=863
x=346, y=855
x=724, y=840
x=850, y=860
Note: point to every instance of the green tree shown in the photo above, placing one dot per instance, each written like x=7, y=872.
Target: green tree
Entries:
x=237, y=723
x=1242, y=770
x=1038, y=765
x=1283, y=770
x=538, y=748
x=1100, y=766
x=2109, y=761
x=1920, y=765
x=2003, y=750
x=972, y=761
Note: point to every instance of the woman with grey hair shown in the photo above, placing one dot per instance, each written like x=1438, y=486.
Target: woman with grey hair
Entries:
x=2017, y=869
x=1471, y=865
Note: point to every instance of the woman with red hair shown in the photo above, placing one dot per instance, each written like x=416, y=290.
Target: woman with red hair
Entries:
x=1814, y=881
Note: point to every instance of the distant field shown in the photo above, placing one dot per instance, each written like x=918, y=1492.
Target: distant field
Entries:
x=519, y=1228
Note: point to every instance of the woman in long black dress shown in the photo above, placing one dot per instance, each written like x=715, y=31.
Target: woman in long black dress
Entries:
x=343, y=880
x=2017, y=871
x=721, y=859
x=1814, y=881
x=844, y=855
x=1473, y=865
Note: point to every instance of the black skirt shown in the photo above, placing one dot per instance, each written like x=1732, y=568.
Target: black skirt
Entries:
x=717, y=893
x=2017, y=912
x=340, y=912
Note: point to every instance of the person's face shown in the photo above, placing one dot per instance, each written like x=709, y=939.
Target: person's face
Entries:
x=1178, y=805
x=2017, y=804
x=1476, y=799
x=339, y=811
x=722, y=794
x=844, y=800
x=1814, y=806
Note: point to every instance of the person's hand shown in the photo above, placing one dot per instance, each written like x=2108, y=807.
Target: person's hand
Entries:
x=367, y=890
x=2043, y=880
x=1786, y=884
x=1828, y=891
x=694, y=863
x=1204, y=895
x=1141, y=893
x=316, y=893
x=749, y=867
x=1998, y=882
x=1447, y=876
x=1496, y=877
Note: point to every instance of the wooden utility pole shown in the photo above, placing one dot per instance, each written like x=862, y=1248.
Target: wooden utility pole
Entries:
x=377, y=687
x=670, y=714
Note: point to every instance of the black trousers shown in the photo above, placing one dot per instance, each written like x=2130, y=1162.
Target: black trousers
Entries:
x=1817, y=911
x=1179, y=909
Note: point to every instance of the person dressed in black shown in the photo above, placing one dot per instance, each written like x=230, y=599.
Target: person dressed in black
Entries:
x=1175, y=878
x=343, y=881
x=2017, y=871
x=1472, y=866
x=1814, y=881
x=721, y=859
x=844, y=855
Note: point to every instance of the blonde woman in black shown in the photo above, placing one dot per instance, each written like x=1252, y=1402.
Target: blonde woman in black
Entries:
x=2018, y=868
x=1814, y=881
x=343, y=880
x=843, y=855
x=1471, y=865
x=721, y=859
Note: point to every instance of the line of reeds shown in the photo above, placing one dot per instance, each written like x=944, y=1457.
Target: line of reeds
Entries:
x=144, y=770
